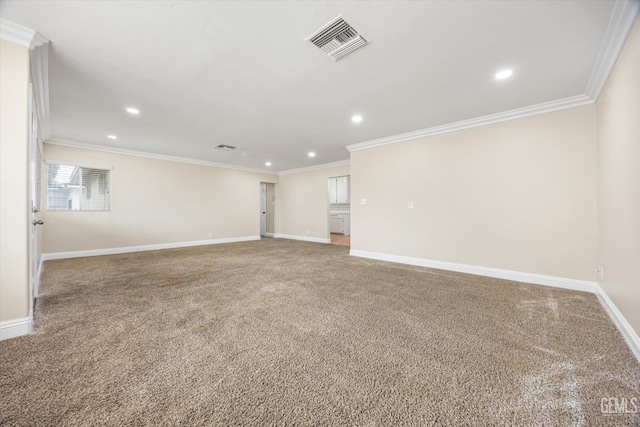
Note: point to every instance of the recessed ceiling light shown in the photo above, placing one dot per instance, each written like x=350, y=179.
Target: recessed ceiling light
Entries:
x=312, y=154
x=356, y=119
x=112, y=137
x=267, y=163
x=500, y=75
x=133, y=110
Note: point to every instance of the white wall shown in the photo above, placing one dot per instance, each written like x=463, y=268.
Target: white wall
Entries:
x=517, y=195
x=619, y=181
x=304, y=202
x=14, y=182
x=156, y=202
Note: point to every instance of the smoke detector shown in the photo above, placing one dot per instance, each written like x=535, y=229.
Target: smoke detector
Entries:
x=337, y=38
x=225, y=147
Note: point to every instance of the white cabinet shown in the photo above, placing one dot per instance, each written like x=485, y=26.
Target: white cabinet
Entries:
x=337, y=224
x=342, y=191
x=339, y=190
x=341, y=223
x=333, y=190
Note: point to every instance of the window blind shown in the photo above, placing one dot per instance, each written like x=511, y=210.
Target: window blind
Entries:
x=76, y=188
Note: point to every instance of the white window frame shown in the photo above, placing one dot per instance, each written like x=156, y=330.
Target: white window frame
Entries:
x=80, y=165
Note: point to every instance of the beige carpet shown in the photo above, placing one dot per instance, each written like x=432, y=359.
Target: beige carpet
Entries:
x=279, y=332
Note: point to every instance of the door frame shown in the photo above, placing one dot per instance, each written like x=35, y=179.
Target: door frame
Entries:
x=263, y=209
x=329, y=203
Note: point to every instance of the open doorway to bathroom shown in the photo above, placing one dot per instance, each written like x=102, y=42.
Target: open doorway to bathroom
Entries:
x=340, y=210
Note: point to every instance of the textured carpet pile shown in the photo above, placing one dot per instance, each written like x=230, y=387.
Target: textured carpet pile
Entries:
x=278, y=332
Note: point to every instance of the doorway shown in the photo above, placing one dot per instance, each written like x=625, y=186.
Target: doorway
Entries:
x=263, y=208
x=340, y=210
x=267, y=209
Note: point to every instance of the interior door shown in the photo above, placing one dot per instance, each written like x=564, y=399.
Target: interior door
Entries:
x=263, y=208
x=35, y=162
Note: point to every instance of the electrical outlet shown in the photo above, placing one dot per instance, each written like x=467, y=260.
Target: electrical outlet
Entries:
x=410, y=205
x=210, y=235
x=363, y=201
x=307, y=232
x=600, y=273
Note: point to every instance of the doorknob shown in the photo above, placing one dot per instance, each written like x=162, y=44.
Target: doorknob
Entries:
x=38, y=222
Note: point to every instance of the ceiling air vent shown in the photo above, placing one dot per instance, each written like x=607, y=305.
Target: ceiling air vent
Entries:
x=338, y=38
x=225, y=147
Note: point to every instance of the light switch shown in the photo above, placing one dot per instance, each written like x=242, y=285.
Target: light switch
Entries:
x=410, y=205
x=363, y=201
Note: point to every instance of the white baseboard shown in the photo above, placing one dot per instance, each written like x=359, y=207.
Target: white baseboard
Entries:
x=518, y=276
x=303, y=238
x=39, y=276
x=15, y=328
x=269, y=234
x=623, y=325
x=142, y=248
x=630, y=336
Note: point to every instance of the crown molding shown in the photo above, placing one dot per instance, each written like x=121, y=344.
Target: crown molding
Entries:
x=31, y=39
x=316, y=167
x=620, y=24
x=622, y=18
x=76, y=144
x=546, y=107
x=18, y=34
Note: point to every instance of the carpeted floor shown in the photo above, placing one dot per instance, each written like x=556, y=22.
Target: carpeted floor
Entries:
x=278, y=332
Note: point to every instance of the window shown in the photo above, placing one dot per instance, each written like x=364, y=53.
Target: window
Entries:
x=75, y=188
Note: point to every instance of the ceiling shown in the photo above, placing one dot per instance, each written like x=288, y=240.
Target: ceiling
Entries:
x=241, y=73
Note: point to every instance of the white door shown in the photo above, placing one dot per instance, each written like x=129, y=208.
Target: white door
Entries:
x=263, y=208
x=34, y=196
